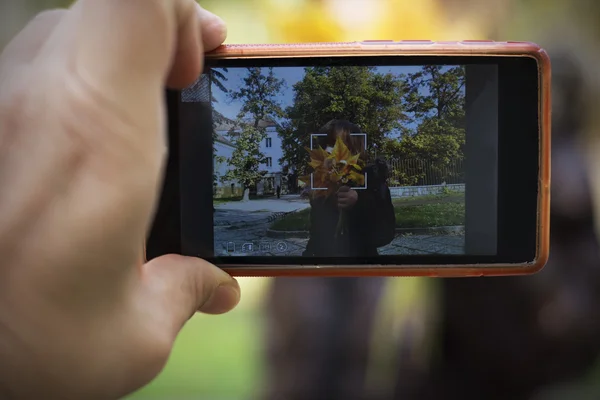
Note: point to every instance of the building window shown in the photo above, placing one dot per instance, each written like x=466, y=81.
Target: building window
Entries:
x=269, y=142
x=269, y=162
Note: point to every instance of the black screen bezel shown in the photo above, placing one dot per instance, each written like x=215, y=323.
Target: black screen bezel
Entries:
x=518, y=170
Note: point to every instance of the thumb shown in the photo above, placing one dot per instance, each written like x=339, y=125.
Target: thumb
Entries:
x=186, y=285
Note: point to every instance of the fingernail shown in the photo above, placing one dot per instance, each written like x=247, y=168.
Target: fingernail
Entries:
x=225, y=298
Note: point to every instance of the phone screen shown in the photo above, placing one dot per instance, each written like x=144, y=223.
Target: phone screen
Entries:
x=352, y=160
x=425, y=160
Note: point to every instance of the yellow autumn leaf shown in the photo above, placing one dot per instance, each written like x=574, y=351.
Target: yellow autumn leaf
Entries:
x=320, y=178
x=357, y=177
x=341, y=153
x=354, y=161
x=336, y=177
x=317, y=157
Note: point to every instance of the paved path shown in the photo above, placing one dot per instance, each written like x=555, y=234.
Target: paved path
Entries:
x=287, y=203
x=251, y=240
x=239, y=213
x=240, y=230
x=425, y=244
x=240, y=227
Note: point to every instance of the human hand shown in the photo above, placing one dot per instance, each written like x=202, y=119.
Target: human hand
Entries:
x=346, y=197
x=82, y=150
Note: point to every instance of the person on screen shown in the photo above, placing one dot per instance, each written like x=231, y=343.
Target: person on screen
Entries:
x=369, y=221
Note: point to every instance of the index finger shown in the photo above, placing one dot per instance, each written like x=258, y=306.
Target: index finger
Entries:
x=188, y=61
x=129, y=50
x=25, y=46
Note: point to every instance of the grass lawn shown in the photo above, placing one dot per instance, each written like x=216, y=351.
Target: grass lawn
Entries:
x=430, y=215
x=215, y=357
x=411, y=212
x=452, y=197
x=298, y=221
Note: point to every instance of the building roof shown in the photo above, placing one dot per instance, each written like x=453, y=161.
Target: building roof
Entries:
x=220, y=120
x=267, y=123
x=222, y=139
x=225, y=127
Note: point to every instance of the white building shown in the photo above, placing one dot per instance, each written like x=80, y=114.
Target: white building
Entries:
x=270, y=147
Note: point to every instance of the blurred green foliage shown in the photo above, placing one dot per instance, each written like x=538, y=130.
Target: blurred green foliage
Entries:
x=213, y=358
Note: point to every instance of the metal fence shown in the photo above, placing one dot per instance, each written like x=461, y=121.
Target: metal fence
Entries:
x=411, y=172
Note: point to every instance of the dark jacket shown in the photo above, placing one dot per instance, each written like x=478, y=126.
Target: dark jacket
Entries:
x=371, y=223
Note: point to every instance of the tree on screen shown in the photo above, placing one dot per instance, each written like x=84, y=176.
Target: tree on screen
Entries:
x=216, y=79
x=435, y=105
x=257, y=94
x=436, y=92
x=359, y=94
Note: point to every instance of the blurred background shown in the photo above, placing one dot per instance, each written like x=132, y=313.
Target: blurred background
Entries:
x=534, y=338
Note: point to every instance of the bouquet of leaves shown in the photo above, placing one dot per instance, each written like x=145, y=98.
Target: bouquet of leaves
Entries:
x=331, y=170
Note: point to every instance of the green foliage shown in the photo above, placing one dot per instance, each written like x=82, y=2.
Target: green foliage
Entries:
x=218, y=160
x=369, y=99
x=445, y=98
x=435, y=104
x=195, y=370
x=258, y=94
x=420, y=116
x=247, y=157
x=430, y=215
x=216, y=79
x=439, y=111
x=446, y=196
x=445, y=191
x=436, y=140
x=412, y=212
x=298, y=221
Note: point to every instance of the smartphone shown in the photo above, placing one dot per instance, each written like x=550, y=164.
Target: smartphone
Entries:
x=374, y=158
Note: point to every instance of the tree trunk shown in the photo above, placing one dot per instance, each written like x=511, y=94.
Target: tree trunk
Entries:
x=246, y=194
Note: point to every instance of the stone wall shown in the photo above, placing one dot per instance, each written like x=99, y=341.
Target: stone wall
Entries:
x=411, y=191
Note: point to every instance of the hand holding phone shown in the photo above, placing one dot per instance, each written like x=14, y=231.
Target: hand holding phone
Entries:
x=80, y=314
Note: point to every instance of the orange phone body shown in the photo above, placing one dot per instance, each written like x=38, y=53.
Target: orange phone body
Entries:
x=513, y=256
